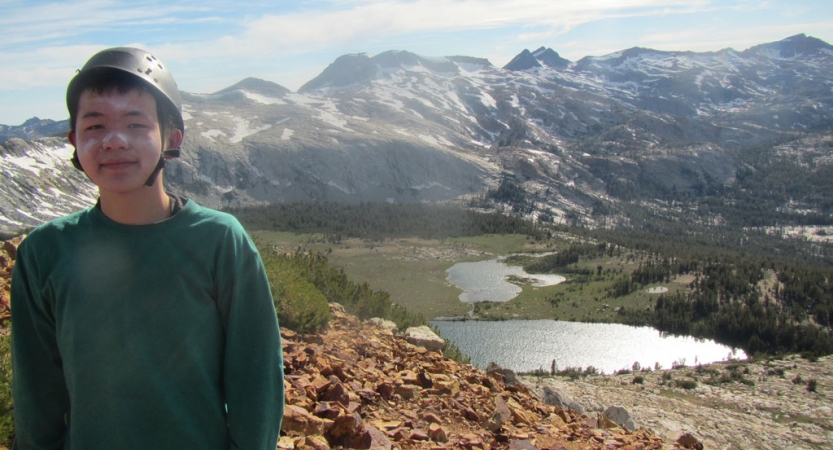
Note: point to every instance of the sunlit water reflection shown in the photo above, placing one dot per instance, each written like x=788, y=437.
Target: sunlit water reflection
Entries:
x=526, y=345
x=487, y=280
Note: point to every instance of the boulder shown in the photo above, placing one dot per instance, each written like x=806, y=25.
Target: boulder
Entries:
x=519, y=414
x=383, y=324
x=297, y=421
x=500, y=416
x=423, y=337
x=621, y=417
x=315, y=442
x=371, y=438
x=437, y=433
x=346, y=426
x=508, y=374
x=326, y=410
x=687, y=440
x=554, y=397
x=407, y=391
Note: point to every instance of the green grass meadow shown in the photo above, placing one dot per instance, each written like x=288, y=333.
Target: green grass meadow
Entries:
x=412, y=271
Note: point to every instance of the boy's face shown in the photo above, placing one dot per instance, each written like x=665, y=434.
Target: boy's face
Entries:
x=118, y=139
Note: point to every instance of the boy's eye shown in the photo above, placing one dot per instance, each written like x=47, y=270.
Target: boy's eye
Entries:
x=95, y=127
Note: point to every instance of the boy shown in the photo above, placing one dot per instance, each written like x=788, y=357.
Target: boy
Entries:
x=146, y=321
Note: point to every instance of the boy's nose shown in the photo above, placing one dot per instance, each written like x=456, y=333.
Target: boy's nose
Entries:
x=114, y=140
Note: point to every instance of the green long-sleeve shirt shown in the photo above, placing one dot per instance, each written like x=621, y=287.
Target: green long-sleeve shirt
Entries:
x=159, y=336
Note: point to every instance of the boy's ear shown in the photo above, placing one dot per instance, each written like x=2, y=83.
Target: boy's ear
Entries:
x=71, y=137
x=174, y=139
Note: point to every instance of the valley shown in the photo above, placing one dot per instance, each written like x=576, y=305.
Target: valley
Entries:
x=413, y=272
x=758, y=292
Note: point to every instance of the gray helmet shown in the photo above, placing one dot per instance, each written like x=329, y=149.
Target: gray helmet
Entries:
x=145, y=67
x=134, y=61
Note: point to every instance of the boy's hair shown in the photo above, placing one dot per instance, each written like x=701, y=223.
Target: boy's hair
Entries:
x=106, y=80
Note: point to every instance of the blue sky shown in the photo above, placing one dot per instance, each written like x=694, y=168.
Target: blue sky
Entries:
x=212, y=44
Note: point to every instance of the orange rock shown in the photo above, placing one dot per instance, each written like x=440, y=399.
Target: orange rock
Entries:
x=437, y=433
x=297, y=420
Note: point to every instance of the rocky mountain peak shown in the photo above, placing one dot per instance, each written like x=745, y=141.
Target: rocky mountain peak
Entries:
x=470, y=60
x=399, y=59
x=34, y=128
x=551, y=58
x=344, y=71
x=523, y=61
x=791, y=47
x=256, y=86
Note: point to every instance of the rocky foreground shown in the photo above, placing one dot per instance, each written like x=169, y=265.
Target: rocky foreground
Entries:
x=784, y=403
x=359, y=385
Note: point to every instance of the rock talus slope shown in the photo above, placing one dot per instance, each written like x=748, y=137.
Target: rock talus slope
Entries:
x=361, y=386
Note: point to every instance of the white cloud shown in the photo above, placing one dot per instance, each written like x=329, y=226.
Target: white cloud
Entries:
x=310, y=30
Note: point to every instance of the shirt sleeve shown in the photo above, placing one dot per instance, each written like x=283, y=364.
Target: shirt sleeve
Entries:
x=253, y=364
x=41, y=399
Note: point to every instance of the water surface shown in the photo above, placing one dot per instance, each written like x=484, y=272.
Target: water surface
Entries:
x=526, y=345
x=487, y=280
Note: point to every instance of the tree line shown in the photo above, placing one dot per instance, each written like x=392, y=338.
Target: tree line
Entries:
x=763, y=305
x=383, y=220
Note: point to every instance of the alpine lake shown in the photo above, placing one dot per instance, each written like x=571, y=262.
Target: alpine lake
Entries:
x=478, y=296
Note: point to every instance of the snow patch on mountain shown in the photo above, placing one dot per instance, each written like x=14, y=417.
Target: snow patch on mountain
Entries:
x=263, y=99
x=244, y=128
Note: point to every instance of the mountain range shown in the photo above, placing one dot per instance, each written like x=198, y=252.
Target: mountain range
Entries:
x=572, y=139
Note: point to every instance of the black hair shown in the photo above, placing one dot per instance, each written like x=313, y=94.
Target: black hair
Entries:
x=103, y=80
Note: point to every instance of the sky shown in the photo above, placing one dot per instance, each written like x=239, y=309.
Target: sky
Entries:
x=211, y=44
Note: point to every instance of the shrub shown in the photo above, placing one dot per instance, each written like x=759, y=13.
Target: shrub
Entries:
x=812, y=384
x=686, y=384
x=797, y=379
x=451, y=351
x=638, y=379
x=300, y=306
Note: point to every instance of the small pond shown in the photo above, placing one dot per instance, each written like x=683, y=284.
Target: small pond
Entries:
x=488, y=280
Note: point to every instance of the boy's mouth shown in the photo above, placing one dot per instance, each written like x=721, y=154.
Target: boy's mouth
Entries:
x=116, y=164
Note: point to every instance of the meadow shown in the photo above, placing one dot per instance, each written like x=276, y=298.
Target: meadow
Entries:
x=413, y=272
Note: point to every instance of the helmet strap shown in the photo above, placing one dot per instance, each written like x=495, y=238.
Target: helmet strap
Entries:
x=75, y=162
x=170, y=153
